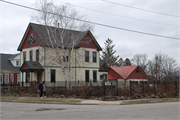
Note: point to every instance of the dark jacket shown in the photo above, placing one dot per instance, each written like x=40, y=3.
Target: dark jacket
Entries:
x=40, y=86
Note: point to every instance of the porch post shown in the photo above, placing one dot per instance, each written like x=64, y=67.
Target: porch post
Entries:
x=22, y=79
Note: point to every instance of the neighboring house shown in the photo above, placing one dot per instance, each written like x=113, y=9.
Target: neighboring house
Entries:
x=10, y=64
x=37, y=65
x=125, y=74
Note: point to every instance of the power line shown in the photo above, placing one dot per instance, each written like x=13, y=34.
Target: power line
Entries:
x=91, y=22
x=140, y=9
x=120, y=15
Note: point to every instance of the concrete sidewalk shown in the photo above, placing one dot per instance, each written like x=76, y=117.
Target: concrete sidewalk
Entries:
x=98, y=102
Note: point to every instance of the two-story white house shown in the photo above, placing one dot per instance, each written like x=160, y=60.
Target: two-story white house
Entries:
x=38, y=62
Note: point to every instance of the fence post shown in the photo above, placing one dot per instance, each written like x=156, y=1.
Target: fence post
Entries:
x=130, y=88
x=104, y=88
x=26, y=87
x=54, y=87
x=176, y=87
x=154, y=88
x=117, y=86
x=143, y=87
x=165, y=85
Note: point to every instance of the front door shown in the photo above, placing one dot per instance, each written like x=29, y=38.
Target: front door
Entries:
x=39, y=76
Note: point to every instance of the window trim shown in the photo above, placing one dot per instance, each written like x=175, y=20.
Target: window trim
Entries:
x=18, y=80
x=87, y=56
x=95, y=76
x=95, y=57
x=38, y=55
x=2, y=77
x=24, y=56
x=30, y=55
x=64, y=58
x=86, y=76
x=17, y=61
x=54, y=76
x=5, y=79
x=12, y=81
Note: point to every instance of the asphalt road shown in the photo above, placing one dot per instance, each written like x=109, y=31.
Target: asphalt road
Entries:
x=27, y=111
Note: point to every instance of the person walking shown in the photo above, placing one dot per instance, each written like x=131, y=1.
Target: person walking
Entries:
x=44, y=89
x=40, y=88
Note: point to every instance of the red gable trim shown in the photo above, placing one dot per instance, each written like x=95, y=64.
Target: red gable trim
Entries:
x=24, y=41
x=103, y=68
x=93, y=43
x=25, y=66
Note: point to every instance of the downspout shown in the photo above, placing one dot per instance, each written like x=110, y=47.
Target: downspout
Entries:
x=44, y=63
x=75, y=67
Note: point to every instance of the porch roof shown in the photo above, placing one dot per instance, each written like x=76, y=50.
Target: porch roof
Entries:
x=31, y=66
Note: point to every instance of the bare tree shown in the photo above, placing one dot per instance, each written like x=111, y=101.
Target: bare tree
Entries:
x=162, y=67
x=141, y=60
x=62, y=33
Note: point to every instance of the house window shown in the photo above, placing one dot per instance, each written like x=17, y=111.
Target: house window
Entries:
x=94, y=75
x=18, y=78
x=88, y=43
x=1, y=78
x=87, y=75
x=12, y=78
x=137, y=71
x=101, y=77
x=86, y=56
x=94, y=57
x=31, y=39
x=30, y=55
x=65, y=58
x=6, y=78
x=17, y=63
x=24, y=56
x=37, y=55
x=27, y=76
x=53, y=75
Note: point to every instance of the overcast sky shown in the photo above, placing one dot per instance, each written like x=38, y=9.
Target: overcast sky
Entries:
x=14, y=21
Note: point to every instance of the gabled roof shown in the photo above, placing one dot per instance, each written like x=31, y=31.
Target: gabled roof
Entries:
x=101, y=64
x=13, y=56
x=6, y=65
x=110, y=77
x=125, y=71
x=31, y=66
x=41, y=33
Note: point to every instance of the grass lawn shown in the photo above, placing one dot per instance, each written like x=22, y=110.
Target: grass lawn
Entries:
x=36, y=99
x=156, y=100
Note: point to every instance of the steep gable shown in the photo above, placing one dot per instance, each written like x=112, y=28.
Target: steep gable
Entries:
x=89, y=42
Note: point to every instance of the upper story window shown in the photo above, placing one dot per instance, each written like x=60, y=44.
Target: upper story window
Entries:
x=37, y=55
x=65, y=58
x=86, y=56
x=17, y=63
x=24, y=56
x=53, y=75
x=31, y=39
x=94, y=57
x=1, y=78
x=30, y=56
x=88, y=43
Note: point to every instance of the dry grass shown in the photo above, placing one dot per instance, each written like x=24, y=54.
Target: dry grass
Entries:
x=151, y=101
x=34, y=99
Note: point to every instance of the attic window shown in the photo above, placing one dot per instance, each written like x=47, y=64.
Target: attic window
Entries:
x=87, y=42
x=137, y=71
x=31, y=39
